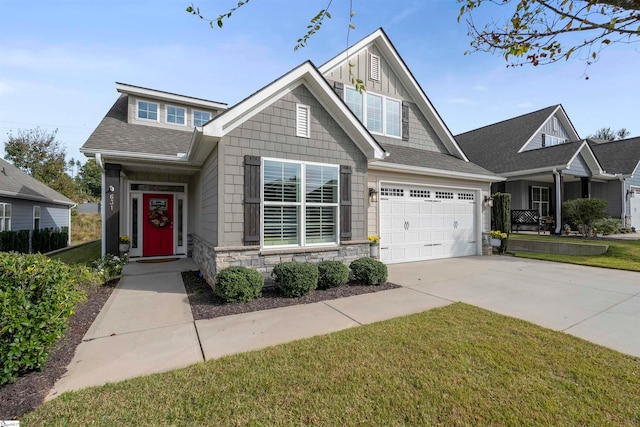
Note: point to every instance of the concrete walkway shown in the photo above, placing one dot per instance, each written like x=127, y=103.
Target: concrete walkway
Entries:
x=147, y=326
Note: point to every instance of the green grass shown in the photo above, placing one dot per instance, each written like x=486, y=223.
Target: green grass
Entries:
x=622, y=254
x=457, y=365
x=84, y=254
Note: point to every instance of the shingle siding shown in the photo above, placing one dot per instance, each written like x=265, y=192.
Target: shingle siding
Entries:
x=272, y=133
x=210, y=200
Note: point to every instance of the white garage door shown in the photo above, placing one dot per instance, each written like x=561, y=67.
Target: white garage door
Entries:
x=419, y=223
x=634, y=206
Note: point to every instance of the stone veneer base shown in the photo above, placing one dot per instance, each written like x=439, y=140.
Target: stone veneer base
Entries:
x=211, y=259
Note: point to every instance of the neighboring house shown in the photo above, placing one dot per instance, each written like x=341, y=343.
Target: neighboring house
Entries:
x=28, y=204
x=303, y=169
x=546, y=163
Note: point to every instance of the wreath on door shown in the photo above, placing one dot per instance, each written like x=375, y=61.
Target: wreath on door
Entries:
x=159, y=218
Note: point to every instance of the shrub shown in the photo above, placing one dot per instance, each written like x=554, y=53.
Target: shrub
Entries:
x=109, y=267
x=238, y=284
x=369, y=271
x=17, y=241
x=584, y=212
x=47, y=240
x=332, y=274
x=37, y=296
x=501, y=215
x=608, y=225
x=294, y=279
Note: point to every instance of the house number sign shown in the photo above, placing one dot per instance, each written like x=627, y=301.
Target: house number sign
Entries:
x=112, y=197
x=158, y=204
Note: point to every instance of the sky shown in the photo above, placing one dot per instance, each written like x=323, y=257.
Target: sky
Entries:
x=60, y=59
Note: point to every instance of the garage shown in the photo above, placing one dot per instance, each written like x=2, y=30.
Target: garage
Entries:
x=420, y=223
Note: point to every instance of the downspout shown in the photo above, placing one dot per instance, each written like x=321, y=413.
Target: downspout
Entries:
x=624, y=201
x=100, y=164
x=556, y=176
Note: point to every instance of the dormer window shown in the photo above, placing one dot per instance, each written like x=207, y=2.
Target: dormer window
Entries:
x=147, y=110
x=201, y=117
x=550, y=140
x=176, y=115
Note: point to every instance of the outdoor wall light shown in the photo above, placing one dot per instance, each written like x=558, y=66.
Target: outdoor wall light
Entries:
x=488, y=201
x=373, y=195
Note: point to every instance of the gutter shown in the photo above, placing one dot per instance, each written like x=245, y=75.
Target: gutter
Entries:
x=435, y=172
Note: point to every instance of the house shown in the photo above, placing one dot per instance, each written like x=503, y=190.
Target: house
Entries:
x=303, y=169
x=546, y=163
x=28, y=204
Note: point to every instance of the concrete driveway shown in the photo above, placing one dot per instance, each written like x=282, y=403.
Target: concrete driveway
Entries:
x=599, y=305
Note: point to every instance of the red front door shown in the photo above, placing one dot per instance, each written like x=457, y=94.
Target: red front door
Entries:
x=158, y=225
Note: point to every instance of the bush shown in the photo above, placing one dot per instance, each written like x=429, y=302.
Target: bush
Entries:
x=369, y=271
x=238, y=284
x=48, y=240
x=583, y=213
x=608, y=225
x=14, y=241
x=294, y=279
x=37, y=296
x=109, y=267
x=332, y=274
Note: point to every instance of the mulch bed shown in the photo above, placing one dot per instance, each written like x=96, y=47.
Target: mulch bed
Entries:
x=29, y=391
x=206, y=305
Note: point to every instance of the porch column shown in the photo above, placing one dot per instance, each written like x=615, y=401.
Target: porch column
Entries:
x=558, y=183
x=586, y=187
x=111, y=200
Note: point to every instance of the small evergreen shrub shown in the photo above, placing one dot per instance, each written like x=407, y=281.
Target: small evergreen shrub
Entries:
x=369, y=271
x=238, y=284
x=332, y=274
x=608, y=225
x=294, y=279
x=37, y=296
x=14, y=241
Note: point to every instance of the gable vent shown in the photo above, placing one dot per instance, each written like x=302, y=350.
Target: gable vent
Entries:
x=302, y=120
x=374, y=67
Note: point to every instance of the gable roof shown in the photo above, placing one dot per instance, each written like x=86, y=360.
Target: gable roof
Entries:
x=619, y=157
x=498, y=147
x=397, y=64
x=15, y=183
x=308, y=75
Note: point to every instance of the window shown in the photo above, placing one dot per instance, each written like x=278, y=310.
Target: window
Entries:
x=36, y=217
x=300, y=204
x=378, y=113
x=555, y=123
x=392, y=192
x=176, y=115
x=554, y=140
x=147, y=110
x=444, y=195
x=302, y=120
x=200, y=117
x=540, y=200
x=466, y=196
x=5, y=216
x=419, y=194
x=374, y=67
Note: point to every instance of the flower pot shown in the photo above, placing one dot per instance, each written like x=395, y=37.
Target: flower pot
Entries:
x=374, y=251
x=496, y=243
x=124, y=248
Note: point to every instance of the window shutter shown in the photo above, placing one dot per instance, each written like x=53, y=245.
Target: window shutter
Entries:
x=530, y=197
x=544, y=142
x=345, y=202
x=302, y=120
x=374, y=67
x=405, y=121
x=251, y=200
x=338, y=88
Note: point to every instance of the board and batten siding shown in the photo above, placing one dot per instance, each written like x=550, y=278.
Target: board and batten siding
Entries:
x=547, y=129
x=272, y=133
x=611, y=191
x=421, y=133
x=51, y=216
x=519, y=190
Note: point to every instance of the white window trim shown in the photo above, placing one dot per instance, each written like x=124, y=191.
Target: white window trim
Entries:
x=307, y=134
x=39, y=217
x=3, y=217
x=302, y=224
x=555, y=123
x=541, y=202
x=193, y=116
x=384, y=112
x=166, y=115
x=374, y=67
x=138, y=101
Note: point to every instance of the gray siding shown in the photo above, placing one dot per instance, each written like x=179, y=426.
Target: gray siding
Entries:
x=272, y=133
x=210, y=200
x=547, y=129
x=157, y=177
x=51, y=216
x=572, y=190
x=611, y=191
x=519, y=191
x=578, y=167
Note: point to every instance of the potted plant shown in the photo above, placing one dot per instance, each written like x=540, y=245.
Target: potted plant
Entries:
x=125, y=243
x=374, y=246
x=498, y=240
x=567, y=229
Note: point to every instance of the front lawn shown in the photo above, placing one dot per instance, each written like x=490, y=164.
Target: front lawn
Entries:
x=457, y=365
x=82, y=254
x=622, y=254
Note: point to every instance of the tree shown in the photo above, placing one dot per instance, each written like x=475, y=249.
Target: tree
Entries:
x=609, y=134
x=532, y=34
x=90, y=178
x=583, y=213
x=38, y=153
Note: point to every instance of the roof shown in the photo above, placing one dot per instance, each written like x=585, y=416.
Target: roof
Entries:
x=619, y=157
x=116, y=135
x=16, y=183
x=496, y=146
x=168, y=96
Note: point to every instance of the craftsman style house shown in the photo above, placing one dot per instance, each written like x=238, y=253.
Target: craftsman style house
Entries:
x=304, y=169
